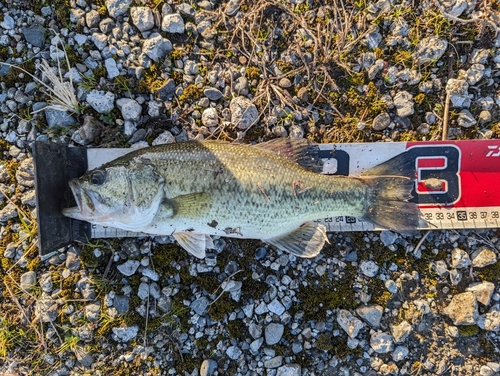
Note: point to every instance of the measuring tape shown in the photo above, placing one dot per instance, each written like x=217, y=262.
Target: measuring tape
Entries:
x=457, y=184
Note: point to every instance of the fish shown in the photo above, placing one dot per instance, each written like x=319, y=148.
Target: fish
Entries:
x=273, y=191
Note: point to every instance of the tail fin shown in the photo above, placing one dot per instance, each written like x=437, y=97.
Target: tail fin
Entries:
x=391, y=185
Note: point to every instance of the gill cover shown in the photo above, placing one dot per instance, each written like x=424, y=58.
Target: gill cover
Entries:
x=125, y=195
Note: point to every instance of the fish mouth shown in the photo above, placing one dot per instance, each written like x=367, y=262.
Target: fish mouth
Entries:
x=84, y=201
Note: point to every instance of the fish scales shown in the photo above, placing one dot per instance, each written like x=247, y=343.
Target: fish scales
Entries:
x=255, y=191
x=193, y=190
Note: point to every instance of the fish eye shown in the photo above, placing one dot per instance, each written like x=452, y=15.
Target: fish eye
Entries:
x=98, y=177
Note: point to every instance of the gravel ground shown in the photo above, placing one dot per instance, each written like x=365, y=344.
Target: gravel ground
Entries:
x=130, y=73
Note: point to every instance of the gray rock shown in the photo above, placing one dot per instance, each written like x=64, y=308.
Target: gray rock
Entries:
x=164, y=138
x=388, y=237
x=289, y=370
x=92, y=312
x=369, y=268
x=401, y=332
x=212, y=93
x=491, y=320
x=275, y=362
x=486, y=371
x=200, y=305
x=46, y=309
x=88, y=132
x=459, y=258
x=483, y=257
x=186, y=9
x=73, y=259
x=143, y=291
x=403, y=101
x=234, y=352
x=83, y=357
x=381, y=121
x=100, y=40
x=240, y=86
x=455, y=276
x=124, y=333
x=400, y=353
x=56, y=118
x=86, y=288
x=34, y=34
x=349, y=323
x=106, y=25
x=28, y=280
x=273, y=333
x=463, y=309
x=142, y=18
x=381, y=342
x=4, y=174
x=458, y=91
x=111, y=68
x=167, y=91
x=8, y=22
x=208, y=367
x=25, y=173
x=209, y=118
x=465, y=119
x=391, y=286
x=8, y=212
x=172, y=23
x=151, y=274
x=92, y=18
x=231, y=286
x=276, y=307
x=483, y=291
x=102, y=102
x=475, y=73
x=243, y=113
x=255, y=330
x=373, y=39
x=45, y=282
x=441, y=268
x=129, y=267
x=130, y=109
x=372, y=314
x=256, y=344
x=156, y=47
x=121, y=303
x=118, y=8
x=484, y=117
x=429, y=50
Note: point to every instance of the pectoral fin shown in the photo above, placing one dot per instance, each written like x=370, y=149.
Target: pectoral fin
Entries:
x=193, y=242
x=191, y=205
x=306, y=241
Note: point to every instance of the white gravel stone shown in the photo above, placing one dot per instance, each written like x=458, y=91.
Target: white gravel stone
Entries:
x=381, y=342
x=172, y=23
x=460, y=258
x=400, y=353
x=429, y=50
x=125, y=334
x=118, y=8
x=403, y=101
x=458, y=90
x=483, y=257
x=209, y=118
x=156, y=47
x=276, y=307
x=164, y=138
x=243, y=112
x=372, y=314
x=349, y=323
x=102, y=102
x=273, y=333
x=401, y=332
x=129, y=267
x=369, y=268
x=466, y=119
x=234, y=352
x=289, y=370
x=483, y=291
x=130, y=109
x=491, y=320
x=463, y=309
x=142, y=17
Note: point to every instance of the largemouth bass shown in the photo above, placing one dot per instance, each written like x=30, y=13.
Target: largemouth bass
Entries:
x=270, y=191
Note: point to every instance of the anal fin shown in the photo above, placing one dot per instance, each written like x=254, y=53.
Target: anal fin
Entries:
x=306, y=241
x=193, y=242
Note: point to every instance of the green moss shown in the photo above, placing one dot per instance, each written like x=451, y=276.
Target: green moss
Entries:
x=219, y=309
x=236, y=329
x=88, y=257
x=12, y=77
x=468, y=330
x=324, y=342
x=190, y=93
x=490, y=273
x=252, y=73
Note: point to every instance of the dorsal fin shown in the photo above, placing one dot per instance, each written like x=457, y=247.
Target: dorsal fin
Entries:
x=299, y=150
